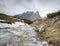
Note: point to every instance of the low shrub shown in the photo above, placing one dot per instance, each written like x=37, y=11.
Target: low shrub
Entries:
x=51, y=15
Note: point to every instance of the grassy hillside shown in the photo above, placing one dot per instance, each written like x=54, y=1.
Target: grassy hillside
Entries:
x=9, y=19
x=4, y=16
x=12, y=19
x=25, y=20
x=52, y=30
x=51, y=15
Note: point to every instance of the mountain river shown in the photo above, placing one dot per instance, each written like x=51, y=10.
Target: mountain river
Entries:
x=19, y=34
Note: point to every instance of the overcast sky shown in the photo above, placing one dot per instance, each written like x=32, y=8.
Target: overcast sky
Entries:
x=13, y=7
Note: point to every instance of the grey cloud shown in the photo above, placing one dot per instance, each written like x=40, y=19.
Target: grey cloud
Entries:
x=19, y=6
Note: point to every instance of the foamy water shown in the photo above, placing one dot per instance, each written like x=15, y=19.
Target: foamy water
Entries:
x=19, y=34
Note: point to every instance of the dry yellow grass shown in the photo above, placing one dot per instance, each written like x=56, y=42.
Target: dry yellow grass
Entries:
x=52, y=33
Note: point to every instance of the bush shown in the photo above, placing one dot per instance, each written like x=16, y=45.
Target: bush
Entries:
x=51, y=15
x=58, y=12
x=28, y=21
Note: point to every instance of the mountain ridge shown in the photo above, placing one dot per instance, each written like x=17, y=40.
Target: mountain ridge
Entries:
x=29, y=15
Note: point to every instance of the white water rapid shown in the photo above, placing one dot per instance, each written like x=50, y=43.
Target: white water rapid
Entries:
x=19, y=34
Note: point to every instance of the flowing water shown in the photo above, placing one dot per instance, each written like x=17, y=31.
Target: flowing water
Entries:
x=22, y=35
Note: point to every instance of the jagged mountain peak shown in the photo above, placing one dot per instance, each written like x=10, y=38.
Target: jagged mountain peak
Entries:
x=29, y=15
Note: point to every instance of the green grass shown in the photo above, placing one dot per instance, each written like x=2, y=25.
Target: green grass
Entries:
x=28, y=21
x=9, y=19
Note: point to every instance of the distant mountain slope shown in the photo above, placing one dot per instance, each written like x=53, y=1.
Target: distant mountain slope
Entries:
x=54, y=14
x=29, y=15
x=9, y=19
x=12, y=19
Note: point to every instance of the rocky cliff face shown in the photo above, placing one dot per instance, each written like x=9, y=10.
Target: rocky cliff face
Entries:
x=29, y=16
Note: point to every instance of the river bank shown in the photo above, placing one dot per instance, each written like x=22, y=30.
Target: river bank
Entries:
x=51, y=32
